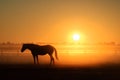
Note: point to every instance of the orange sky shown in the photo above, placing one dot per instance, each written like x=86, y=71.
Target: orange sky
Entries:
x=56, y=20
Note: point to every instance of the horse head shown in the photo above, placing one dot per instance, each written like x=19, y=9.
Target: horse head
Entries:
x=23, y=47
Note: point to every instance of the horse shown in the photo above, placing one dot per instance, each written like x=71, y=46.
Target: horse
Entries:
x=40, y=50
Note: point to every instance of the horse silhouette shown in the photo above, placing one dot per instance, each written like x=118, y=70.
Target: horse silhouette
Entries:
x=40, y=50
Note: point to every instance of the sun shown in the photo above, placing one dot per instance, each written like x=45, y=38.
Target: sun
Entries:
x=76, y=37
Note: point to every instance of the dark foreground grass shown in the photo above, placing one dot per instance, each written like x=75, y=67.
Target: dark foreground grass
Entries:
x=46, y=72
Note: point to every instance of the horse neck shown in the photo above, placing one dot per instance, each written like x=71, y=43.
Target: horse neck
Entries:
x=30, y=47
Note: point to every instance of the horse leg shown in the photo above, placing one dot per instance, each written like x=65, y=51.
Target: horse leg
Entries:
x=51, y=59
x=37, y=59
x=34, y=59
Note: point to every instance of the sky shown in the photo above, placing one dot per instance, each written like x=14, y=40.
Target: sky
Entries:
x=57, y=20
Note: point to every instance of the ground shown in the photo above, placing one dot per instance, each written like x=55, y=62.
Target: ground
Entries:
x=45, y=72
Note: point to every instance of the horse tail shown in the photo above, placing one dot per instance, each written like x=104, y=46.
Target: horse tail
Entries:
x=56, y=54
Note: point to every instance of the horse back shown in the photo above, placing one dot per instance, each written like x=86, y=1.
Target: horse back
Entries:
x=46, y=48
x=43, y=49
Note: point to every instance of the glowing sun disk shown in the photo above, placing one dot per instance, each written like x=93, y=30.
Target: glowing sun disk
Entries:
x=76, y=37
